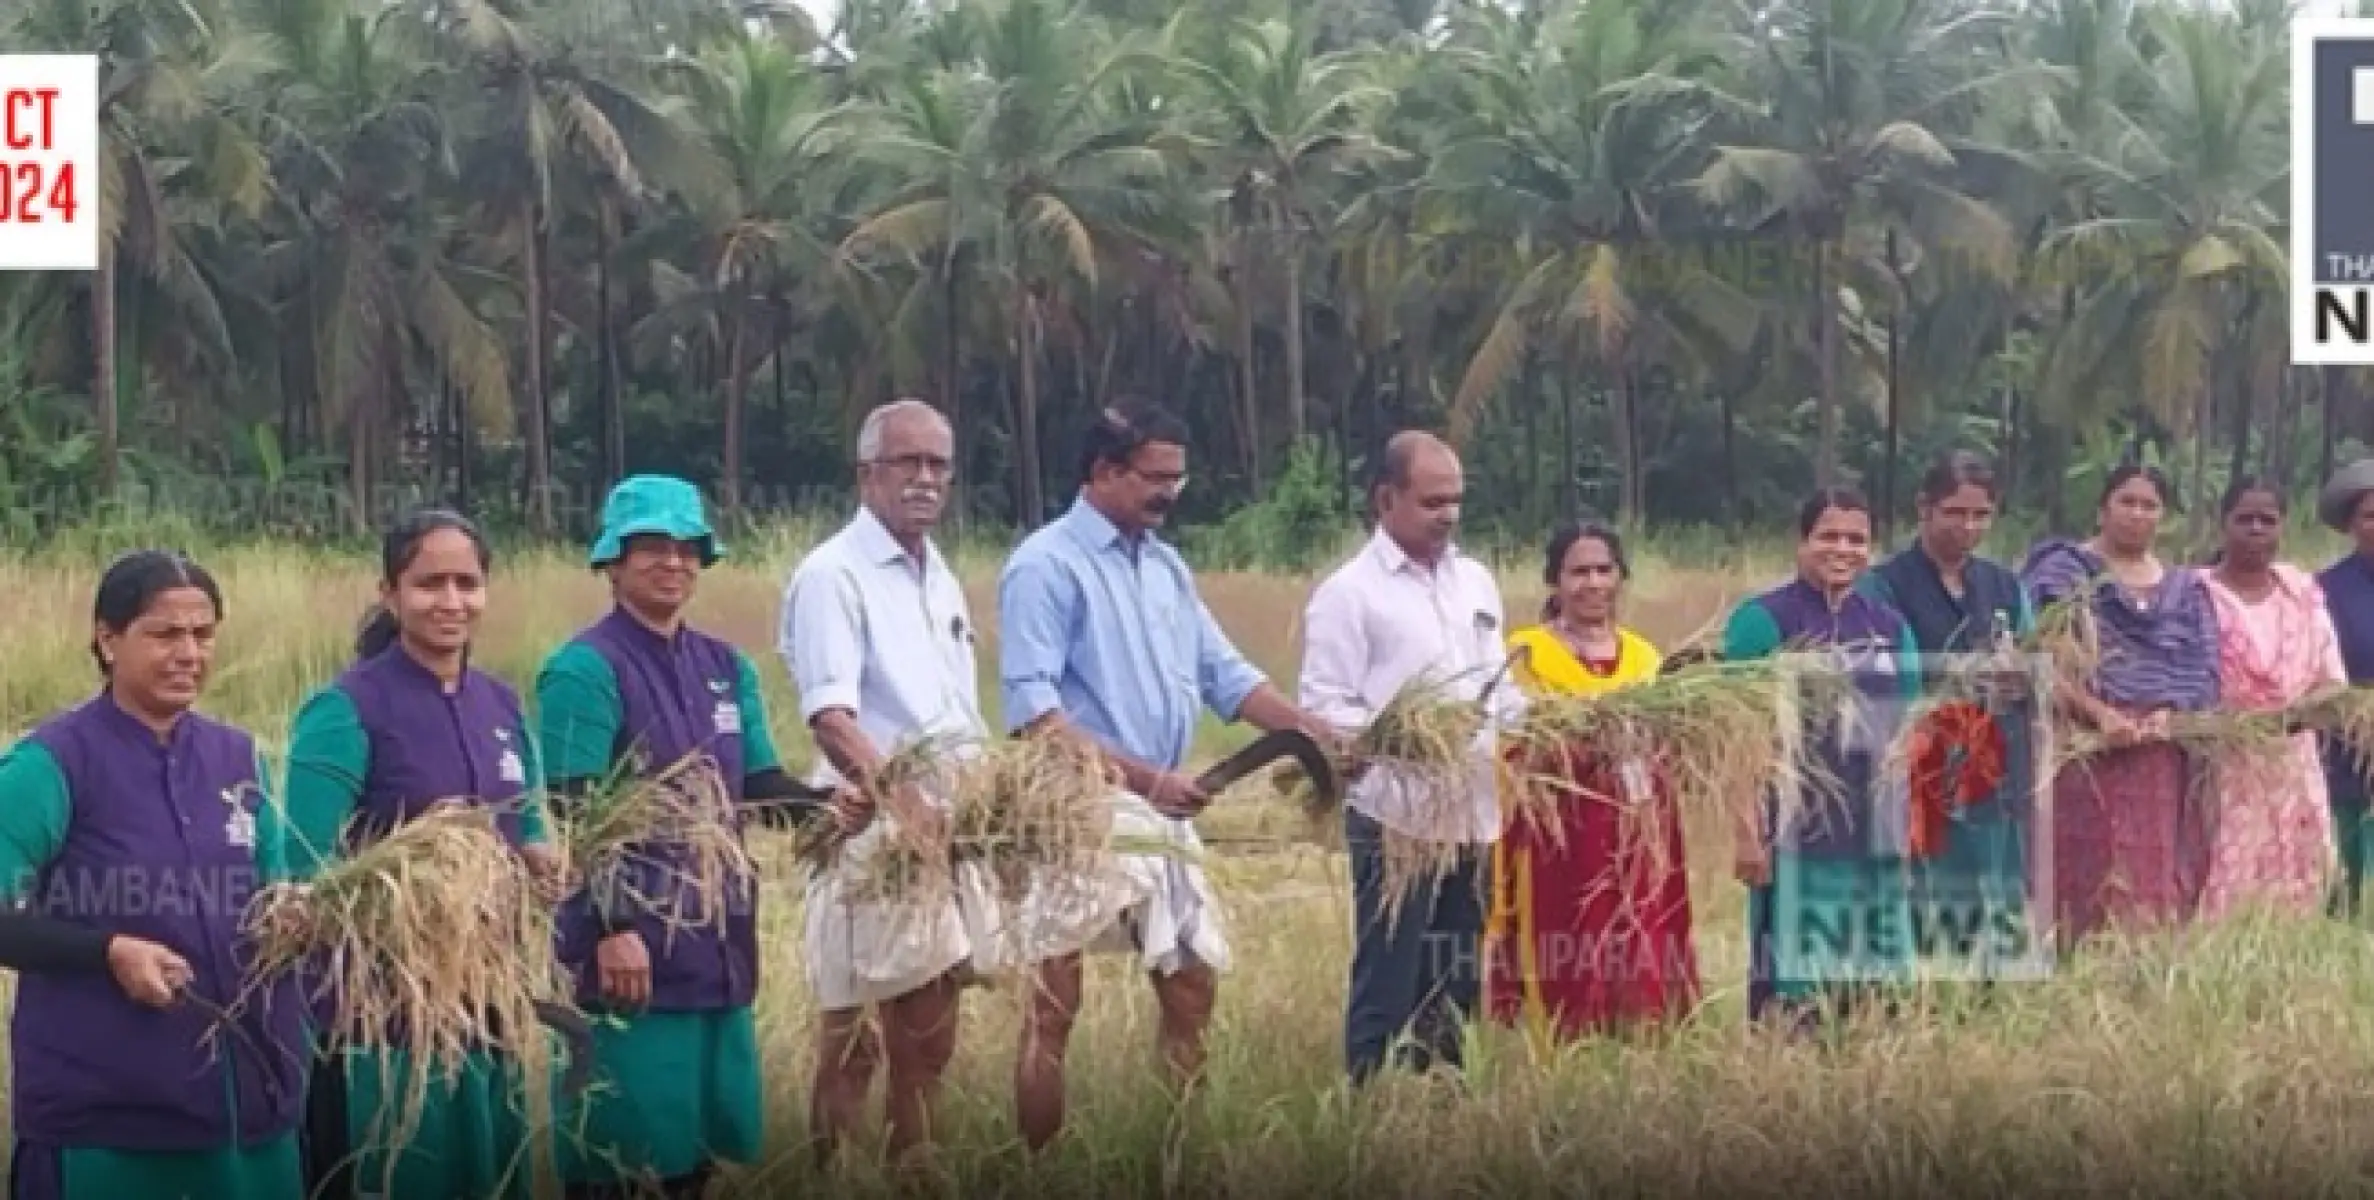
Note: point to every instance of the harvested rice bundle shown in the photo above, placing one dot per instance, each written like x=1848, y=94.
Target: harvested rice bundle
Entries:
x=664, y=844
x=1426, y=735
x=1715, y=728
x=2067, y=635
x=430, y=941
x=1425, y=740
x=2346, y=713
x=1022, y=808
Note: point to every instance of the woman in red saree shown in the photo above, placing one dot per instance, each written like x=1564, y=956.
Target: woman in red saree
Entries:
x=1590, y=924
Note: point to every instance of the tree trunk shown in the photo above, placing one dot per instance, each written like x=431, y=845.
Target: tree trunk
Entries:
x=536, y=412
x=1887, y=466
x=737, y=382
x=1248, y=400
x=358, y=463
x=2336, y=385
x=1825, y=315
x=103, y=394
x=1566, y=496
x=1630, y=502
x=1733, y=509
x=613, y=372
x=1295, y=416
x=952, y=386
x=1029, y=497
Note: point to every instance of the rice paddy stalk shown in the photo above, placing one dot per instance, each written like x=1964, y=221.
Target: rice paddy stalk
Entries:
x=429, y=941
x=1425, y=740
x=2345, y=714
x=1714, y=730
x=1024, y=812
x=669, y=844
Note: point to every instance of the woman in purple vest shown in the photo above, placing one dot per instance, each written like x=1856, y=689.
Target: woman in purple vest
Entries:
x=133, y=832
x=2129, y=839
x=410, y=724
x=2347, y=508
x=1829, y=902
x=633, y=694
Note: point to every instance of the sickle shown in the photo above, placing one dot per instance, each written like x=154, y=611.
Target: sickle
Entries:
x=1268, y=748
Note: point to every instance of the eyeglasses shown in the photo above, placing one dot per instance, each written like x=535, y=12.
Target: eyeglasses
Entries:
x=1169, y=481
x=917, y=464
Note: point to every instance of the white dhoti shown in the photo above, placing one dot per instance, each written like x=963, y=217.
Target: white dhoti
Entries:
x=1154, y=902
x=863, y=951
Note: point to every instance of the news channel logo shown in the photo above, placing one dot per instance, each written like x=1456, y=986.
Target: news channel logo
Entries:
x=1918, y=847
x=2332, y=237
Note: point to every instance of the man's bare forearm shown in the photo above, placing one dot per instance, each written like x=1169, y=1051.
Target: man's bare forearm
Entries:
x=1268, y=710
x=845, y=745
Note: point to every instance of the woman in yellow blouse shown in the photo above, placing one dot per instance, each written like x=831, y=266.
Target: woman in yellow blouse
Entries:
x=1590, y=927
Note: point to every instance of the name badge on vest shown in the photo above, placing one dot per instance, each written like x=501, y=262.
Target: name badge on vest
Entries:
x=728, y=718
x=239, y=828
x=509, y=768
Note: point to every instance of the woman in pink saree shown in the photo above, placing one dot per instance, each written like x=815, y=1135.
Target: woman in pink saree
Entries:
x=2272, y=842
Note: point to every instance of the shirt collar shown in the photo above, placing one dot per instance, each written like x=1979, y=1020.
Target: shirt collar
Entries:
x=1396, y=560
x=1093, y=527
x=879, y=547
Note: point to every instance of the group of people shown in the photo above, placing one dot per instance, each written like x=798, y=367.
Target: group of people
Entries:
x=136, y=830
x=118, y=1088
x=2146, y=829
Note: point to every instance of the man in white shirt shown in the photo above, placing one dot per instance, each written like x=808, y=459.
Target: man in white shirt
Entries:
x=880, y=644
x=1409, y=603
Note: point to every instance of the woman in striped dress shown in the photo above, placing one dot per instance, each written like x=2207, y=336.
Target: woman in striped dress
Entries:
x=2129, y=827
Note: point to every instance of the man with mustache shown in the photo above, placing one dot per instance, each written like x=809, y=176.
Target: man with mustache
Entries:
x=879, y=641
x=1103, y=636
x=1410, y=605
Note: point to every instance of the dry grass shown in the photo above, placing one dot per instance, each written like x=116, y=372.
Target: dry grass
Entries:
x=2229, y=1064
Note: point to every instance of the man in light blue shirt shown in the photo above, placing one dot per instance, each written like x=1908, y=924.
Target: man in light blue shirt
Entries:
x=1102, y=634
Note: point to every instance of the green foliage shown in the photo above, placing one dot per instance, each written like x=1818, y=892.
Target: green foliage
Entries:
x=1669, y=260
x=1300, y=522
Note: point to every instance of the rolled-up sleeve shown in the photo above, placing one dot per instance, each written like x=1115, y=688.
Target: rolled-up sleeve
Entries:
x=1222, y=672
x=1334, y=658
x=1035, y=605
x=822, y=639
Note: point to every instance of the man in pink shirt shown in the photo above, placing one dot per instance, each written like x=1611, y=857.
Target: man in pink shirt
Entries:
x=1409, y=603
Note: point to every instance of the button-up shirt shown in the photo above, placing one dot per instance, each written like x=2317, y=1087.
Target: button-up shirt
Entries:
x=869, y=629
x=1109, y=630
x=1382, y=620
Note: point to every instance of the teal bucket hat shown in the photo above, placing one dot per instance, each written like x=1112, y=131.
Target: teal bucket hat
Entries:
x=660, y=504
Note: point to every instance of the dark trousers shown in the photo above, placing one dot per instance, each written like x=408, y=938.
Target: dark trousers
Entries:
x=1420, y=973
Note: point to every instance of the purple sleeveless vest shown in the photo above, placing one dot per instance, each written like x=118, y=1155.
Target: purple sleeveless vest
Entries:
x=1871, y=818
x=161, y=845
x=428, y=746
x=677, y=697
